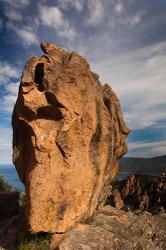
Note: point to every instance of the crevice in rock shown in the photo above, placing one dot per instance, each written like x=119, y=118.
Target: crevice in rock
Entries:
x=49, y=113
x=39, y=75
x=52, y=100
x=61, y=150
x=94, y=143
x=107, y=103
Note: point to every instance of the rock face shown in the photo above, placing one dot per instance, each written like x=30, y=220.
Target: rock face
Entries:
x=143, y=193
x=117, y=199
x=113, y=229
x=68, y=134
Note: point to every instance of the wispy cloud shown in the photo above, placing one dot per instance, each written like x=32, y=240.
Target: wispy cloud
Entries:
x=96, y=12
x=9, y=74
x=7, y=71
x=119, y=7
x=8, y=100
x=13, y=14
x=5, y=145
x=77, y=4
x=149, y=148
x=54, y=18
x=17, y=3
x=136, y=18
x=25, y=33
x=18, y=22
x=27, y=36
x=139, y=78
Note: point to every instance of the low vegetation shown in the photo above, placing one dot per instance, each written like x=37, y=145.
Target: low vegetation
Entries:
x=4, y=185
x=35, y=242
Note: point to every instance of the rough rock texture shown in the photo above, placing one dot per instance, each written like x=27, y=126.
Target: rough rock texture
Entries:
x=68, y=134
x=114, y=229
x=117, y=199
x=140, y=192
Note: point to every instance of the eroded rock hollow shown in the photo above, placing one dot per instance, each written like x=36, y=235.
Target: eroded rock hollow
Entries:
x=68, y=134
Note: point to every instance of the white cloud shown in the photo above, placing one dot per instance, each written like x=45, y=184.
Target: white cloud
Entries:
x=7, y=71
x=148, y=149
x=77, y=4
x=27, y=36
x=7, y=103
x=96, y=12
x=12, y=88
x=6, y=106
x=119, y=8
x=54, y=18
x=135, y=19
x=8, y=100
x=95, y=9
x=25, y=33
x=121, y=15
x=139, y=78
x=15, y=12
x=16, y=3
x=5, y=145
x=13, y=15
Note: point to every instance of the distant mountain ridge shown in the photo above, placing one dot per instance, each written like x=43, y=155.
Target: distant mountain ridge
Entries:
x=143, y=165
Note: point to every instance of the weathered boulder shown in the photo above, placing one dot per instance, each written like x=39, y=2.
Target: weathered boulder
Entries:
x=68, y=134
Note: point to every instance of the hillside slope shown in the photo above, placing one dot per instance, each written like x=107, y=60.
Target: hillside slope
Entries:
x=143, y=165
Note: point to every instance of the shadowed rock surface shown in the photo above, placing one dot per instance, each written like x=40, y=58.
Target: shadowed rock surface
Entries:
x=68, y=134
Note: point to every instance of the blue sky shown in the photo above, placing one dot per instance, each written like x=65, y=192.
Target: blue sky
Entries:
x=125, y=42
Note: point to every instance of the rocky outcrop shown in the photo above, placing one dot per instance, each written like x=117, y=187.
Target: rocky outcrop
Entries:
x=140, y=193
x=114, y=229
x=117, y=199
x=68, y=134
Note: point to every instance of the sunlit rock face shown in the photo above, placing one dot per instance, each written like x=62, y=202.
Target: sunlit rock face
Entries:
x=68, y=134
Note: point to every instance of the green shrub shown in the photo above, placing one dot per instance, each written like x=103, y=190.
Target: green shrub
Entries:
x=4, y=185
x=35, y=242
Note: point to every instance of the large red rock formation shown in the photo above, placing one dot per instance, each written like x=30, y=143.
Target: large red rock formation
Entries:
x=68, y=134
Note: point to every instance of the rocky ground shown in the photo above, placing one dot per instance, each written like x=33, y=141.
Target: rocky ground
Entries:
x=111, y=229
x=116, y=229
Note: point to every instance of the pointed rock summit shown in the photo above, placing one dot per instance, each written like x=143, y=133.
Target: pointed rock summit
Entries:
x=68, y=134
